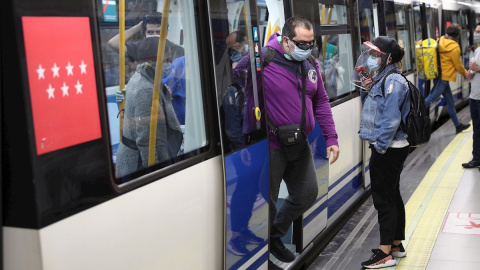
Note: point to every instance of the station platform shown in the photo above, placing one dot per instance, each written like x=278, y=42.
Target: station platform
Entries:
x=442, y=204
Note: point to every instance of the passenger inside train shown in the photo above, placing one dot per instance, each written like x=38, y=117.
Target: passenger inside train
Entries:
x=133, y=151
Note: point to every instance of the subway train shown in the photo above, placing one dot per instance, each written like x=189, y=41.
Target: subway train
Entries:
x=87, y=182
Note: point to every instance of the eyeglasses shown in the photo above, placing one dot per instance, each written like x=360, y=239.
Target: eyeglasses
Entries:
x=302, y=45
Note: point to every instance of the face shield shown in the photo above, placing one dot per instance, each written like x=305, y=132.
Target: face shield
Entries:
x=371, y=61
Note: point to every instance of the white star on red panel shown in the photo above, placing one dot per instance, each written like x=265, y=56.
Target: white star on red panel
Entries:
x=69, y=69
x=50, y=91
x=55, y=70
x=41, y=72
x=78, y=86
x=64, y=89
x=83, y=68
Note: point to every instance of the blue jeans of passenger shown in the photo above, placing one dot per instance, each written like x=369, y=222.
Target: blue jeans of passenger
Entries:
x=301, y=180
x=385, y=170
x=442, y=87
x=475, y=113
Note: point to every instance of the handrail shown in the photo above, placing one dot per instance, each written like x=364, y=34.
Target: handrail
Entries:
x=157, y=84
x=121, y=61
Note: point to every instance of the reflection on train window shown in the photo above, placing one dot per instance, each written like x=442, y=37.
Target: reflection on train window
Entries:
x=240, y=100
x=333, y=14
x=398, y=25
x=164, y=124
x=365, y=13
x=337, y=58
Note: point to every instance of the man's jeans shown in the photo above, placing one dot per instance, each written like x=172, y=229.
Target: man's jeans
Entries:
x=443, y=88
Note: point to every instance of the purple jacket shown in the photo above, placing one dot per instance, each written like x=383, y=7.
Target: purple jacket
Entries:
x=283, y=92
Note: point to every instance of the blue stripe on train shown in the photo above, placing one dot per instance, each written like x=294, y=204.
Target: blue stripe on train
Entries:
x=340, y=198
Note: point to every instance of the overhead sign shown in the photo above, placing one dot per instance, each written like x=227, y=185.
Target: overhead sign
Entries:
x=62, y=83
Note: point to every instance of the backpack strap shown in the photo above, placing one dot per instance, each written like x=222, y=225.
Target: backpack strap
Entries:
x=271, y=52
x=439, y=63
x=311, y=59
x=385, y=78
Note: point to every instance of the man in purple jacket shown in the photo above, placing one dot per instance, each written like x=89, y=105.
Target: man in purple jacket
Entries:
x=283, y=96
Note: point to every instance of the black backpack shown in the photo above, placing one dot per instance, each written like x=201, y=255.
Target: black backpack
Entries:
x=417, y=125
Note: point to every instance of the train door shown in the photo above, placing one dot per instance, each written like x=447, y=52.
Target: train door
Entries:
x=2, y=38
x=367, y=12
x=236, y=39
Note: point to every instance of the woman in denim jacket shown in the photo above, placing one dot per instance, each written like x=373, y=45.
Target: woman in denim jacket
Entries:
x=383, y=110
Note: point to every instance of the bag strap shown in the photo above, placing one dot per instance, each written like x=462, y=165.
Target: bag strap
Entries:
x=392, y=71
x=402, y=124
x=271, y=52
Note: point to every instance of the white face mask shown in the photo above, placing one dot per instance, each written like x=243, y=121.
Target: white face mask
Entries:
x=372, y=63
x=149, y=36
x=476, y=38
x=300, y=54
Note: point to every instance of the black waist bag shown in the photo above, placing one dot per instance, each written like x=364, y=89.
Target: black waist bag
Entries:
x=293, y=140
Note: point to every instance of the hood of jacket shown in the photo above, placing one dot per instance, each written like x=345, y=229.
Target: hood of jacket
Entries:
x=447, y=45
x=274, y=43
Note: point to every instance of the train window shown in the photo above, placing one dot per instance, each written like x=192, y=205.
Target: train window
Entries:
x=365, y=14
x=333, y=14
x=148, y=56
x=398, y=26
x=337, y=58
x=237, y=41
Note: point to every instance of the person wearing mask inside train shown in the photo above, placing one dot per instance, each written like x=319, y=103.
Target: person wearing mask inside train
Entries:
x=290, y=73
x=450, y=64
x=149, y=27
x=133, y=151
x=383, y=110
x=474, y=75
x=236, y=44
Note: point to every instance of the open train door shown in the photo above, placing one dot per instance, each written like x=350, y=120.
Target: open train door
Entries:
x=1, y=142
x=244, y=138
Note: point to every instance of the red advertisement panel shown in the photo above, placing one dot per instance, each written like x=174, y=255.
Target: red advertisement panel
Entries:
x=62, y=81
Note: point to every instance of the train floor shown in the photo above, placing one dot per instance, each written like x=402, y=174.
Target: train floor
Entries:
x=442, y=204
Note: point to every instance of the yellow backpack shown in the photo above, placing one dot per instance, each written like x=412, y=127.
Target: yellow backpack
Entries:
x=427, y=59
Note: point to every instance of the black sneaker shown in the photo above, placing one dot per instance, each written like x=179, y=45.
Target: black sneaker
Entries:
x=461, y=127
x=471, y=164
x=237, y=247
x=250, y=238
x=379, y=260
x=272, y=266
x=398, y=251
x=278, y=249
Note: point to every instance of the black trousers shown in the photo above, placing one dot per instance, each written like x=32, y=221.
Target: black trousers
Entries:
x=385, y=173
x=301, y=180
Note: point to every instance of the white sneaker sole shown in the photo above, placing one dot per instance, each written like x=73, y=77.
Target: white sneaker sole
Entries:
x=383, y=265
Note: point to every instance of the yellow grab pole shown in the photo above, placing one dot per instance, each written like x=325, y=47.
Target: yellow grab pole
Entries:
x=121, y=60
x=324, y=45
x=246, y=21
x=157, y=84
x=269, y=32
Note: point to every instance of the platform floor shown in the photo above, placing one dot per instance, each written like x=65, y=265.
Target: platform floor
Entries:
x=442, y=204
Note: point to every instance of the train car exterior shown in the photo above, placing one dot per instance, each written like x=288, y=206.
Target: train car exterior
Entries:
x=73, y=89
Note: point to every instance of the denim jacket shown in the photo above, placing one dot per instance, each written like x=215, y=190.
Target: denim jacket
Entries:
x=381, y=115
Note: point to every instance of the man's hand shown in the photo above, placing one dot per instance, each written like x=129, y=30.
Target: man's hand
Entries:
x=336, y=152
